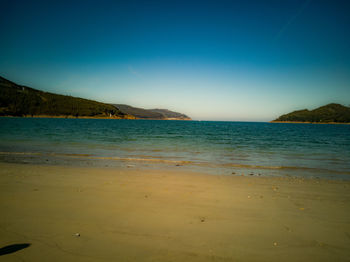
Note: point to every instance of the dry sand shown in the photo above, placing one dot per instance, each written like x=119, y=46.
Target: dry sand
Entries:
x=145, y=215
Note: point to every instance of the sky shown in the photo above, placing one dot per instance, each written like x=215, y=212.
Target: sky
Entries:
x=212, y=60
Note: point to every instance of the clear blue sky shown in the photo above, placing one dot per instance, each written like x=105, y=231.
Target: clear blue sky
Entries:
x=213, y=60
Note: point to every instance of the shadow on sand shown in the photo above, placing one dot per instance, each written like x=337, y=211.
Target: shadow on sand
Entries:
x=13, y=248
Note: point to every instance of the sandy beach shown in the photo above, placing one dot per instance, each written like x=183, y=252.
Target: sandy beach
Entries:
x=130, y=214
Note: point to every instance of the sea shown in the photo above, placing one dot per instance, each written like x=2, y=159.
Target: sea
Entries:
x=213, y=147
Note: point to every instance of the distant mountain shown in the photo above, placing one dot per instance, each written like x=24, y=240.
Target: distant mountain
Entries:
x=331, y=113
x=138, y=112
x=151, y=113
x=170, y=114
x=18, y=100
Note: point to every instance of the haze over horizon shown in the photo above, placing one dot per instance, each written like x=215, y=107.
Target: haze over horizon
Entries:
x=211, y=60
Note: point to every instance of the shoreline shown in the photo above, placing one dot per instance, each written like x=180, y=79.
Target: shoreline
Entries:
x=300, y=122
x=94, y=214
x=154, y=163
x=71, y=117
x=128, y=117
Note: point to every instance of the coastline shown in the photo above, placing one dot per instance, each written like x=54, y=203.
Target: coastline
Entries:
x=306, y=122
x=71, y=117
x=133, y=214
x=163, y=163
x=127, y=117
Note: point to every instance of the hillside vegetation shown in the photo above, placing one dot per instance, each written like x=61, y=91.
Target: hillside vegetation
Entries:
x=138, y=112
x=331, y=113
x=17, y=100
x=170, y=114
x=151, y=113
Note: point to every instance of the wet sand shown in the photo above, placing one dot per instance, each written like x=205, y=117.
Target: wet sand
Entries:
x=130, y=214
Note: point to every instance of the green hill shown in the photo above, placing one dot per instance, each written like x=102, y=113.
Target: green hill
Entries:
x=17, y=100
x=151, y=113
x=331, y=113
x=170, y=114
x=138, y=112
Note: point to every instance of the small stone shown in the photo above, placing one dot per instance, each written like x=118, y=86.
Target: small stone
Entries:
x=249, y=196
x=275, y=244
x=202, y=219
x=288, y=229
x=77, y=234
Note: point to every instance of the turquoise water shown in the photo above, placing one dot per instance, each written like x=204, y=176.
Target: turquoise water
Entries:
x=214, y=147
